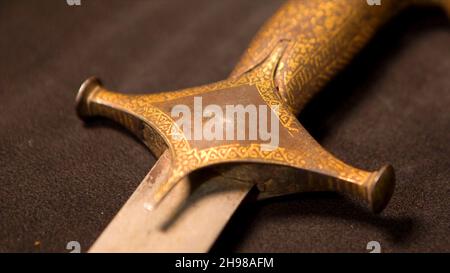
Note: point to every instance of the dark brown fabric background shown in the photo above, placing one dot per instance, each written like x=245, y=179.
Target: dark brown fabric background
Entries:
x=61, y=180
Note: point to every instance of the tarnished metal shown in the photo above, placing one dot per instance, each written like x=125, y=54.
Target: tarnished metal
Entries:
x=299, y=50
x=189, y=219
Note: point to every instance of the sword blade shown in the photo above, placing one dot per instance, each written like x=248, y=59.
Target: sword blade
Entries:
x=188, y=219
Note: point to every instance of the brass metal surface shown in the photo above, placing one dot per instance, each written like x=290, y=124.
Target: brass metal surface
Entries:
x=298, y=51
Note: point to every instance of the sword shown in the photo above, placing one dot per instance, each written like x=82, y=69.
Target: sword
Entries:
x=196, y=185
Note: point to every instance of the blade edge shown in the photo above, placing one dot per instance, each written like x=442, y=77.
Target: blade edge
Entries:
x=189, y=219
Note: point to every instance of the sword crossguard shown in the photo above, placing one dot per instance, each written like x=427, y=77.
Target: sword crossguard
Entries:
x=298, y=51
x=297, y=164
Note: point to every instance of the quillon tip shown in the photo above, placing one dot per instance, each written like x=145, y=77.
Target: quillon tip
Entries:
x=82, y=99
x=381, y=189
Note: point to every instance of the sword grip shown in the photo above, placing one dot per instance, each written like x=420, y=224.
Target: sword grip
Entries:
x=321, y=37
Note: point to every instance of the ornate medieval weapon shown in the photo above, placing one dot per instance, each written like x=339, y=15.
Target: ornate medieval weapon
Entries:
x=196, y=185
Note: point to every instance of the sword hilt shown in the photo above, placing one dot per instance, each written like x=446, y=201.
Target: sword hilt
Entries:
x=322, y=37
x=305, y=44
x=321, y=172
